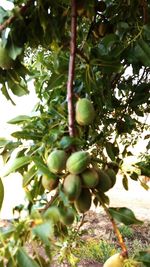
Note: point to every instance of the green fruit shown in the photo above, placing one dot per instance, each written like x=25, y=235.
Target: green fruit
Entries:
x=49, y=182
x=52, y=213
x=112, y=176
x=83, y=203
x=115, y=260
x=90, y=178
x=104, y=181
x=72, y=186
x=67, y=216
x=85, y=112
x=6, y=62
x=78, y=162
x=57, y=161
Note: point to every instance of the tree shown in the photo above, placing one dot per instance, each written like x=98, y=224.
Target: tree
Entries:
x=72, y=50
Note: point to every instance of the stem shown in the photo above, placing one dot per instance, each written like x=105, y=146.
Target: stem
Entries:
x=71, y=71
x=53, y=198
x=12, y=18
x=115, y=228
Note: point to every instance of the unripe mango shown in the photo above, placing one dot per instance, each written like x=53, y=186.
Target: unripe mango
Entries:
x=104, y=183
x=50, y=182
x=72, y=186
x=78, y=162
x=57, y=161
x=67, y=216
x=52, y=213
x=90, y=178
x=112, y=176
x=115, y=260
x=6, y=62
x=85, y=112
x=83, y=202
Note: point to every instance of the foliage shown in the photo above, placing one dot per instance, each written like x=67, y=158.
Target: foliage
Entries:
x=95, y=250
x=111, y=70
x=126, y=231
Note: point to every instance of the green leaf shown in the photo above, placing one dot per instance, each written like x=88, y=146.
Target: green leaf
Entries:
x=27, y=135
x=24, y=260
x=134, y=176
x=1, y=193
x=14, y=51
x=109, y=150
x=42, y=167
x=14, y=165
x=142, y=52
x=44, y=231
x=3, y=142
x=19, y=119
x=29, y=175
x=125, y=182
x=124, y=215
x=143, y=256
x=6, y=94
x=7, y=232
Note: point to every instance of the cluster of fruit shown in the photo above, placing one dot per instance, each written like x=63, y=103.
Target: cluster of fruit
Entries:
x=80, y=175
x=80, y=178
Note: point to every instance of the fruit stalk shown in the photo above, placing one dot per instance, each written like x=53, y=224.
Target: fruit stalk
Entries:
x=116, y=230
x=117, y=233
x=71, y=71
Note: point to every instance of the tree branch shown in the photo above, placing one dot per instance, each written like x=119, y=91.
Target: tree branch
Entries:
x=71, y=70
x=115, y=228
x=10, y=20
x=145, y=11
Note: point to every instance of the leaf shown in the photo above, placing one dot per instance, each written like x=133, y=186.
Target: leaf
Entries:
x=1, y=193
x=134, y=176
x=44, y=231
x=125, y=182
x=109, y=150
x=142, y=52
x=42, y=167
x=14, y=165
x=6, y=94
x=19, y=119
x=124, y=215
x=27, y=135
x=68, y=141
x=6, y=232
x=24, y=260
x=29, y=175
x=14, y=51
x=143, y=256
x=3, y=142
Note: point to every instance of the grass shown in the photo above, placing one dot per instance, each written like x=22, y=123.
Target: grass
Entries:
x=95, y=250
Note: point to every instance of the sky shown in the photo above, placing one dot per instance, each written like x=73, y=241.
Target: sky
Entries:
x=6, y=4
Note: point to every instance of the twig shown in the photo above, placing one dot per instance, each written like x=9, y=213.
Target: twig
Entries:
x=145, y=11
x=53, y=198
x=10, y=20
x=116, y=230
x=82, y=55
x=71, y=70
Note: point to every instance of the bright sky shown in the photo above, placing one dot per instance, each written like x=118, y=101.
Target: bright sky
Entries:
x=6, y=4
